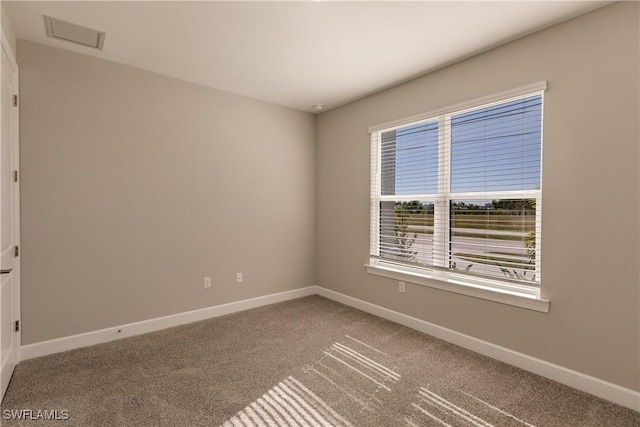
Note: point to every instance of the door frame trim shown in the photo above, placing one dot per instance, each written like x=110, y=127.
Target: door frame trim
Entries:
x=16, y=195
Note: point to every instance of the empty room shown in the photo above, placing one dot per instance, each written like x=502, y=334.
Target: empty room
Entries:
x=320, y=213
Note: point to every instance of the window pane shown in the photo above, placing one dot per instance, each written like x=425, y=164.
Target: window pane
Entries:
x=406, y=231
x=497, y=148
x=409, y=160
x=495, y=238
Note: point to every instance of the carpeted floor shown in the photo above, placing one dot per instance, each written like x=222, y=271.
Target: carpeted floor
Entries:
x=307, y=362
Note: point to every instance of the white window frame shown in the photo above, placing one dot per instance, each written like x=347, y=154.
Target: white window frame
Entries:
x=440, y=276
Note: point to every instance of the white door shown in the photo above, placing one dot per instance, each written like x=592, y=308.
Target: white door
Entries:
x=9, y=214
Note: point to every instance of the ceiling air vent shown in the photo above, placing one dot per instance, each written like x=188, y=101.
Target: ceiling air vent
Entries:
x=62, y=30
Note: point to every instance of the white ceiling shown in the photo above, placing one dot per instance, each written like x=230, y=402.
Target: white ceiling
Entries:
x=296, y=53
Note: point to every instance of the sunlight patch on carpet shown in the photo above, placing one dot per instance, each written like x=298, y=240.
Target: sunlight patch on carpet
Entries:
x=289, y=403
x=453, y=408
x=354, y=371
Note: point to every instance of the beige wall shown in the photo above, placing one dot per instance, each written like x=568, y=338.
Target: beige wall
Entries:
x=7, y=29
x=590, y=235
x=135, y=186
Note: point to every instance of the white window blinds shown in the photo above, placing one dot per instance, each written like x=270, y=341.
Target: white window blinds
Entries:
x=461, y=192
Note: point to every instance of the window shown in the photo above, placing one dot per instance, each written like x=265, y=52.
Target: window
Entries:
x=456, y=196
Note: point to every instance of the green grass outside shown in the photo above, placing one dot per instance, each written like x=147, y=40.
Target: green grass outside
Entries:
x=470, y=234
x=524, y=223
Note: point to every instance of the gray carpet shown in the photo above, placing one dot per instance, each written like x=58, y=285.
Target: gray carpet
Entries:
x=307, y=362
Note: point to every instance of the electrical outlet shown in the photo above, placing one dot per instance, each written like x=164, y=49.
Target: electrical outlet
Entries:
x=207, y=282
x=401, y=287
x=239, y=278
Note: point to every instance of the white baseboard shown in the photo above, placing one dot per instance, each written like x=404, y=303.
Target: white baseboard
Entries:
x=109, y=334
x=606, y=390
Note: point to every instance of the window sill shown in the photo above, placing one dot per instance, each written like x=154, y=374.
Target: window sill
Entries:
x=513, y=298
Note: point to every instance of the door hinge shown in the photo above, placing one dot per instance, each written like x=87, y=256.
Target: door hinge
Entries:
x=17, y=327
x=15, y=176
x=16, y=251
x=15, y=100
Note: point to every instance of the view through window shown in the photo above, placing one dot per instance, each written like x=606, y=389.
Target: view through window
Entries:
x=461, y=192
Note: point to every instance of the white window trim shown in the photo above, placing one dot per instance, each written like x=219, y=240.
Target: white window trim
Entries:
x=489, y=289
x=459, y=284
